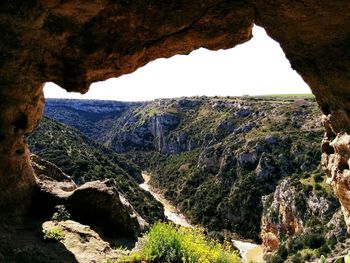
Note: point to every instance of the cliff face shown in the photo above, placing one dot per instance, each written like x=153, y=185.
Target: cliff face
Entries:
x=75, y=43
x=301, y=215
x=150, y=135
x=288, y=219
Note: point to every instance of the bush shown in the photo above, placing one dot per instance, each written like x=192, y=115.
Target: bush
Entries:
x=306, y=175
x=53, y=234
x=318, y=187
x=318, y=178
x=276, y=259
x=62, y=214
x=314, y=240
x=169, y=243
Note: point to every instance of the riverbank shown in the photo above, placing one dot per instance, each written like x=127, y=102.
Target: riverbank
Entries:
x=170, y=211
x=249, y=252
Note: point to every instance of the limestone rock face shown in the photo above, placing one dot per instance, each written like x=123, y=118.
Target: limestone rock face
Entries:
x=211, y=159
x=45, y=168
x=53, y=186
x=336, y=165
x=282, y=215
x=293, y=210
x=150, y=135
x=74, y=43
x=337, y=225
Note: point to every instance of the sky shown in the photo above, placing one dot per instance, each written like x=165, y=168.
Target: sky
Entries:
x=256, y=67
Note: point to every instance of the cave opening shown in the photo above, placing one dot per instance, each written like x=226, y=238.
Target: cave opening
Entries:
x=76, y=46
x=261, y=156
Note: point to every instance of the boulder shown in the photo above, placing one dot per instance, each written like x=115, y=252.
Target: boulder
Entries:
x=83, y=242
x=99, y=203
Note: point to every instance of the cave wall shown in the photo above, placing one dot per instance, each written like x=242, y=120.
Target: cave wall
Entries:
x=74, y=43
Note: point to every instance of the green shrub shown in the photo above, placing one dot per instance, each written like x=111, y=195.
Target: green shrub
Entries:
x=55, y=233
x=305, y=175
x=62, y=214
x=318, y=187
x=318, y=178
x=276, y=259
x=169, y=243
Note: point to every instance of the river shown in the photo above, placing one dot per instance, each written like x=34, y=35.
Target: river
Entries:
x=249, y=251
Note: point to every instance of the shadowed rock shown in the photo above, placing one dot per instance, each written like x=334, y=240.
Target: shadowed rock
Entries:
x=98, y=203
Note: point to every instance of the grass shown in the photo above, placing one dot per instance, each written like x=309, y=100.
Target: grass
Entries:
x=323, y=184
x=55, y=233
x=301, y=95
x=166, y=242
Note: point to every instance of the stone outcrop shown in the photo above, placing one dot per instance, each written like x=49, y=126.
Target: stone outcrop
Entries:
x=75, y=43
x=96, y=203
x=51, y=179
x=282, y=215
x=294, y=209
x=53, y=186
x=149, y=134
x=335, y=162
x=99, y=203
x=83, y=242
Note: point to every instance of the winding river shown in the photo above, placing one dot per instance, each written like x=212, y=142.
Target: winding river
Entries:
x=250, y=252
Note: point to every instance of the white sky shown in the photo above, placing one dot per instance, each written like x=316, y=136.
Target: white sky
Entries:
x=253, y=68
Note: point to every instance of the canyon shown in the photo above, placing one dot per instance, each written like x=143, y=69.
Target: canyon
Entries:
x=241, y=167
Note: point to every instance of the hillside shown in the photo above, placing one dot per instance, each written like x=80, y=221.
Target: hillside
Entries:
x=93, y=118
x=85, y=160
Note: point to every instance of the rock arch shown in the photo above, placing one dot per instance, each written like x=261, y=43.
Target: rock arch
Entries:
x=74, y=43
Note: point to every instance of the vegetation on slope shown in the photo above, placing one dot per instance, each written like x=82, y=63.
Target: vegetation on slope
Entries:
x=215, y=158
x=85, y=161
x=244, y=148
x=91, y=117
x=174, y=244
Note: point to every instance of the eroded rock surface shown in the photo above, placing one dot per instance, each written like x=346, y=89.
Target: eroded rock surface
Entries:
x=299, y=214
x=97, y=203
x=84, y=243
x=282, y=216
x=75, y=43
x=335, y=160
x=105, y=207
x=51, y=179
